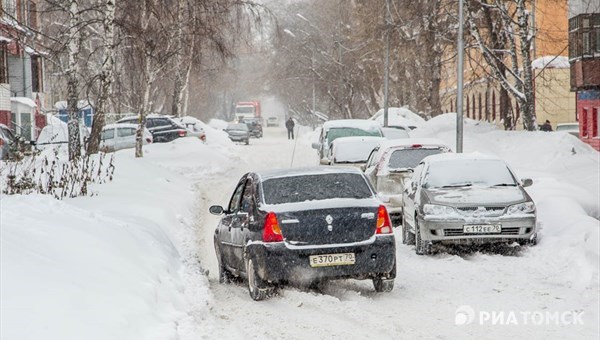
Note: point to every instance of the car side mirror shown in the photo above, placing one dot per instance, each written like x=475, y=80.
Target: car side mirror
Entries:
x=316, y=145
x=33, y=143
x=216, y=210
x=413, y=186
x=527, y=182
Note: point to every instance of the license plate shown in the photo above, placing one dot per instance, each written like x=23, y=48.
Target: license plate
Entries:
x=482, y=229
x=326, y=260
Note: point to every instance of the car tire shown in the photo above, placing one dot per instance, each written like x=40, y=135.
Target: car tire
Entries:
x=257, y=288
x=247, y=141
x=224, y=274
x=531, y=242
x=421, y=247
x=385, y=283
x=407, y=237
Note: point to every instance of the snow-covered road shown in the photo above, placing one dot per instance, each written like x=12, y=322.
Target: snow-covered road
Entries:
x=519, y=288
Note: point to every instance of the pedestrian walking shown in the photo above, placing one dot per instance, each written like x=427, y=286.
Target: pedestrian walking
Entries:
x=289, y=124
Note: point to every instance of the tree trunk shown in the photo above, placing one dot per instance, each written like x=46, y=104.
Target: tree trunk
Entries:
x=72, y=81
x=106, y=77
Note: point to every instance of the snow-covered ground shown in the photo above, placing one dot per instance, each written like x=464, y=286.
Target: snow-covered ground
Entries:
x=136, y=261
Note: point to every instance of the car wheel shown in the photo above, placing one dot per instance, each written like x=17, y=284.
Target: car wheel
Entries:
x=530, y=242
x=385, y=283
x=224, y=275
x=247, y=141
x=258, y=289
x=421, y=247
x=407, y=236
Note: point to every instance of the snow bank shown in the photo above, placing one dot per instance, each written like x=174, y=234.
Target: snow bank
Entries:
x=218, y=124
x=399, y=116
x=550, y=62
x=118, y=265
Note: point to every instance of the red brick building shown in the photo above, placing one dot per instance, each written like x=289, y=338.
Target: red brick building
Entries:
x=584, y=59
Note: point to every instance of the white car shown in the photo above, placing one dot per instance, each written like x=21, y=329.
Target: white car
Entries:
x=334, y=129
x=395, y=132
x=272, y=121
x=352, y=151
x=572, y=128
x=121, y=136
x=192, y=125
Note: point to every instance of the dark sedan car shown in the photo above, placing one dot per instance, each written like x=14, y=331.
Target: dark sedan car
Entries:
x=304, y=225
x=162, y=128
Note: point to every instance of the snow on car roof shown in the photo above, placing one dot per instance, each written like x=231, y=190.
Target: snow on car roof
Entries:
x=152, y=115
x=320, y=170
x=397, y=143
x=352, y=123
x=121, y=125
x=354, y=149
x=472, y=156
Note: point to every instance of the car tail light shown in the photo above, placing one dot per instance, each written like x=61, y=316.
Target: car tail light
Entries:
x=1, y=142
x=182, y=133
x=417, y=146
x=203, y=138
x=148, y=140
x=272, y=231
x=384, y=226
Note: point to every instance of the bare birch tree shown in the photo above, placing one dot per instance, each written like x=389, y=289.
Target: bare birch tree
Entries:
x=72, y=73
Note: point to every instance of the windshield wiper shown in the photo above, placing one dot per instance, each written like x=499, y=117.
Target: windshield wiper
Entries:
x=504, y=185
x=457, y=185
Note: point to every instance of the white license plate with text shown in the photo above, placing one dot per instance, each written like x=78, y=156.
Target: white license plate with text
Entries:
x=326, y=260
x=482, y=229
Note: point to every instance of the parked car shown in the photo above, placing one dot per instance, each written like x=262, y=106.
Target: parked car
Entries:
x=7, y=142
x=466, y=199
x=121, y=136
x=254, y=125
x=395, y=132
x=162, y=128
x=572, y=128
x=304, y=224
x=192, y=125
x=55, y=135
x=334, y=129
x=353, y=151
x=238, y=132
x=392, y=162
x=272, y=121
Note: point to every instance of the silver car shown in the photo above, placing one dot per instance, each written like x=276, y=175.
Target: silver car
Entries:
x=238, y=132
x=466, y=199
x=391, y=164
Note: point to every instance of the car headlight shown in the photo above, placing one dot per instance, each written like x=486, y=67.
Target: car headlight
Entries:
x=521, y=208
x=437, y=210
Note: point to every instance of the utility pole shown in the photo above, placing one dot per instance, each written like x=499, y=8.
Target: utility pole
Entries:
x=459, y=89
x=387, y=63
x=312, y=65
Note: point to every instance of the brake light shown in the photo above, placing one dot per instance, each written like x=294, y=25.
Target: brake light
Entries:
x=182, y=133
x=203, y=138
x=272, y=231
x=384, y=226
x=416, y=145
x=148, y=140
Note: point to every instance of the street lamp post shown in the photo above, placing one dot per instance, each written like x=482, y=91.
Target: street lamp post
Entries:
x=459, y=90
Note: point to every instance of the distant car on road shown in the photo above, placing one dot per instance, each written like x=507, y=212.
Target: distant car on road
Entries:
x=353, y=151
x=466, y=199
x=391, y=164
x=238, y=132
x=162, y=128
x=272, y=121
x=334, y=129
x=304, y=225
x=572, y=128
x=116, y=137
x=254, y=125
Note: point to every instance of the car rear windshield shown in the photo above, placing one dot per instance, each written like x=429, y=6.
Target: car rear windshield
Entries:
x=410, y=158
x=315, y=187
x=335, y=133
x=239, y=127
x=474, y=172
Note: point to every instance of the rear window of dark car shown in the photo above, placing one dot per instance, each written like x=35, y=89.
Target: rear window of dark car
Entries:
x=410, y=158
x=315, y=187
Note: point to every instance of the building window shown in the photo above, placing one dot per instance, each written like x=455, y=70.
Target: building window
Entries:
x=36, y=73
x=468, y=112
x=480, y=117
x=32, y=13
x=3, y=64
x=473, y=106
x=585, y=43
x=493, y=106
x=595, y=123
x=583, y=120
